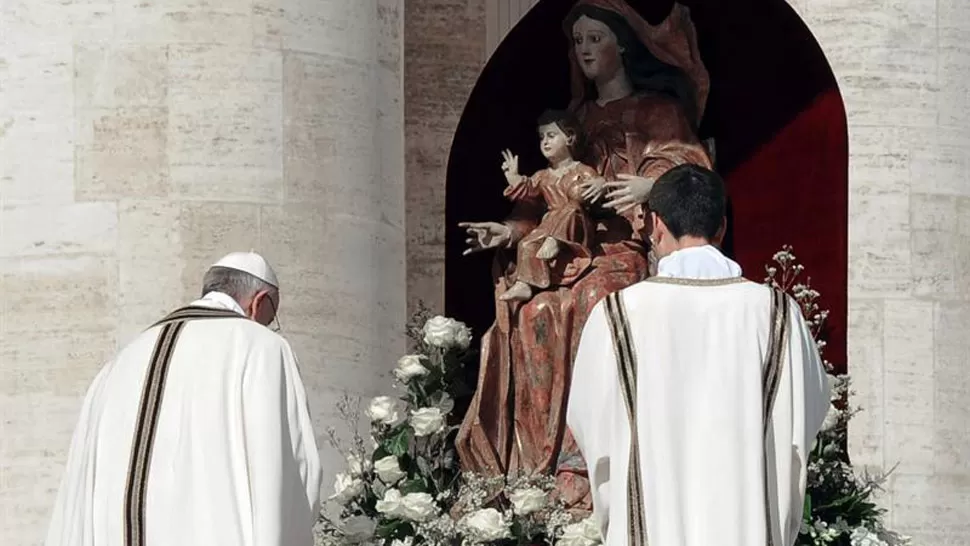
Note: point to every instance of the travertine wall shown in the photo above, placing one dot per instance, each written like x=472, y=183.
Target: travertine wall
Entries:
x=500, y=17
x=444, y=51
x=904, y=70
x=139, y=141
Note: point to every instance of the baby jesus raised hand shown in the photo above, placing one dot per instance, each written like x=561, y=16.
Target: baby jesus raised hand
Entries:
x=555, y=253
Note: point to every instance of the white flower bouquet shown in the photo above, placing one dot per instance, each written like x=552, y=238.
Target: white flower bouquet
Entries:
x=404, y=487
x=839, y=506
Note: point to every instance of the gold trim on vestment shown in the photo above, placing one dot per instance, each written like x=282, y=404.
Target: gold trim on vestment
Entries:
x=193, y=313
x=627, y=371
x=149, y=409
x=697, y=282
x=774, y=355
x=780, y=324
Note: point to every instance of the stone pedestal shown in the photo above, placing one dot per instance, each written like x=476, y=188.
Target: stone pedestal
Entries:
x=139, y=141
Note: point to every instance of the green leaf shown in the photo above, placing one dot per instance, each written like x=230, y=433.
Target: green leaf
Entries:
x=424, y=467
x=415, y=485
x=397, y=444
x=844, y=503
x=517, y=530
x=450, y=459
x=379, y=453
x=393, y=528
x=807, y=510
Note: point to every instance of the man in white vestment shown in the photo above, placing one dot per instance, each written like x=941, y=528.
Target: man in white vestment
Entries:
x=198, y=432
x=696, y=395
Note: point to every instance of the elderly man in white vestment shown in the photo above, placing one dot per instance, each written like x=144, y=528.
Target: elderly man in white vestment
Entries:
x=197, y=432
x=696, y=395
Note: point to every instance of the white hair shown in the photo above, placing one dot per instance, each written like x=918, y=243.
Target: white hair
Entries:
x=239, y=285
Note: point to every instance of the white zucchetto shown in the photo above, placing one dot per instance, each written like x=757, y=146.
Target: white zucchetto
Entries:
x=252, y=263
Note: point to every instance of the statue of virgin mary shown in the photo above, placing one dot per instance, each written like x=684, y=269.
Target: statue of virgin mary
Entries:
x=639, y=91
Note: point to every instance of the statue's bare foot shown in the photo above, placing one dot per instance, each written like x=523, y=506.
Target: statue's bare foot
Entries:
x=519, y=292
x=549, y=249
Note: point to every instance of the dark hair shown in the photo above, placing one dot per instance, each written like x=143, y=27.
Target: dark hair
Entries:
x=690, y=200
x=569, y=125
x=646, y=72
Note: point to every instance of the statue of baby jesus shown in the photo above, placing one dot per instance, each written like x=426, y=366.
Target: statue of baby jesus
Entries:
x=556, y=252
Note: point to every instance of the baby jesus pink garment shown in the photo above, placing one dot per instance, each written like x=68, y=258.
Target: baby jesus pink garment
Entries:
x=565, y=220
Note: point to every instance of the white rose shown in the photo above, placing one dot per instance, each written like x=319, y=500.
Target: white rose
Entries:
x=390, y=504
x=410, y=366
x=408, y=541
x=583, y=533
x=487, y=525
x=389, y=470
x=447, y=333
x=358, y=529
x=358, y=465
x=864, y=537
x=528, y=501
x=418, y=507
x=831, y=418
x=463, y=336
x=834, y=382
x=346, y=488
x=383, y=409
x=591, y=529
x=427, y=421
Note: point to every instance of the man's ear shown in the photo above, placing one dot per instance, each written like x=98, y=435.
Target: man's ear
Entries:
x=257, y=307
x=658, y=226
x=253, y=306
x=721, y=232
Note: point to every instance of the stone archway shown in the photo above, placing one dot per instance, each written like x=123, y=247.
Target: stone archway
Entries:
x=775, y=113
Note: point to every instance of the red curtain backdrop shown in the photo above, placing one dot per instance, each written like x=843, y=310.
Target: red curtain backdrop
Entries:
x=774, y=111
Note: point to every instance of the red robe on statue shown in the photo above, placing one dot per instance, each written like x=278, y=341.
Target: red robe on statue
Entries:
x=565, y=220
x=516, y=423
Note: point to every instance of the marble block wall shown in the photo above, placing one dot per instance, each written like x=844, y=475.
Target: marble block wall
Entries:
x=904, y=70
x=444, y=51
x=139, y=141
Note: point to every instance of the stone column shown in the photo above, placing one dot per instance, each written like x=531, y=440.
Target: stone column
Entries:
x=904, y=69
x=139, y=141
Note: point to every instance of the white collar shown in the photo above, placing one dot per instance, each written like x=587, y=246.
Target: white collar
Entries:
x=219, y=300
x=698, y=262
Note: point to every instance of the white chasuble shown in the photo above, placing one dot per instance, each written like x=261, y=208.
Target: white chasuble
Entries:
x=197, y=433
x=723, y=431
